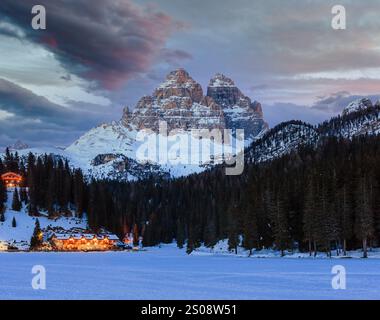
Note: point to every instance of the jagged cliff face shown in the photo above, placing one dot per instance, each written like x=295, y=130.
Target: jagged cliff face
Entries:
x=179, y=101
x=112, y=150
x=239, y=111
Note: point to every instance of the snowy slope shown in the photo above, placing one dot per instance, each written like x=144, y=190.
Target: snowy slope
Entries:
x=176, y=155
x=357, y=105
x=21, y=235
x=359, y=118
x=180, y=104
x=282, y=139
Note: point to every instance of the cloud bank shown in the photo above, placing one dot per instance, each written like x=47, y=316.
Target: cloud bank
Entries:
x=35, y=119
x=105, y=41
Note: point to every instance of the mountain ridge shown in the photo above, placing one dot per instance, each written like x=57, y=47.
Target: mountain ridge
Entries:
x=360, y=117
x=180, y=103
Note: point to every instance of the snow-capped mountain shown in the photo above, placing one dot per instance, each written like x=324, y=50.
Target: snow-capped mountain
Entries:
x=360, y=117
x=178, y=102
x=282, y=139
x=119, y=150
x=18, y=145
x=239, y=111
x=357, y=105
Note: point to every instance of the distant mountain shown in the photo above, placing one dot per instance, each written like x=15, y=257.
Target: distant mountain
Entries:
x=239, y=111
x=179, y=102
x=360, y=117
x=357, y=105
x=282, y=139
x=113, y=150
x=18, y=145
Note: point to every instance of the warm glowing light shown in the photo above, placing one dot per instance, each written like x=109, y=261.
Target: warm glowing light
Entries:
x=83, y=243
x=11, y=179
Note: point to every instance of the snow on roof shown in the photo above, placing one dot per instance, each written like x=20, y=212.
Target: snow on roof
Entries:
x=88, y=236
x=61, y=236
x=10, y=175
x=113, y=237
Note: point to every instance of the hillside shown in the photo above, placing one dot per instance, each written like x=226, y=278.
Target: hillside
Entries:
x=20, y=236
x=359, y=118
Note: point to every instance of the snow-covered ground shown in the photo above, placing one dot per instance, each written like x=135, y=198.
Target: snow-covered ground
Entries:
x=21, y=235
x=179, y=154
x=169, y=273
x=221, y=248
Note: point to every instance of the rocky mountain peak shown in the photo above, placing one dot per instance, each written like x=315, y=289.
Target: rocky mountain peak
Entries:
x=240, y=112
x=177, y=78
x=220, y=80
x=178, y=83
x=179, y=101
x=18, y=145
x=357, y=105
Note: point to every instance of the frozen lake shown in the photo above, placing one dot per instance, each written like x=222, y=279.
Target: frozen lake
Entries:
x=169, y=273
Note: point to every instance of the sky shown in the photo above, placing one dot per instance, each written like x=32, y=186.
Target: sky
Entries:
x=96, y=57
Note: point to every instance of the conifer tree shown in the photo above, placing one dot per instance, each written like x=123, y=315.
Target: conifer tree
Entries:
x=279, y=220
x=190, y=242
x=14, y=224
x=50, y=196
x=79, y=191
x=36, y=239
x=250, y=228
x=364, y=226
x=135, y=235
x=346, y=217
x=3, y=195
x=16, y=203
x=23, y=196
x=180, y=237
x=233, y=232
x=309, y=227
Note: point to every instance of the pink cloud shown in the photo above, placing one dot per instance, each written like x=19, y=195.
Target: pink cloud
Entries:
x=107, y=41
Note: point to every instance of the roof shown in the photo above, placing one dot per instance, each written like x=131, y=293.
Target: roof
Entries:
x=9, y=175
x=113, y=237
x=88, y=236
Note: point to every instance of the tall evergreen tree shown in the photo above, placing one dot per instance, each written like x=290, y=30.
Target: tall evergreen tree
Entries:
x=309, y=214
x=233, y=232
x=37, y=237
x=364, y=223
x=277, y=214
x=3, y=195
x=16, y=203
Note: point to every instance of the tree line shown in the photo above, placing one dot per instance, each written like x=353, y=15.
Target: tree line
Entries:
x=313, y=199
x=320, y=198
x=52, y=185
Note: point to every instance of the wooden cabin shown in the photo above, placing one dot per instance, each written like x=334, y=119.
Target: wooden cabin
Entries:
x=84, y=242
x=11, y=179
